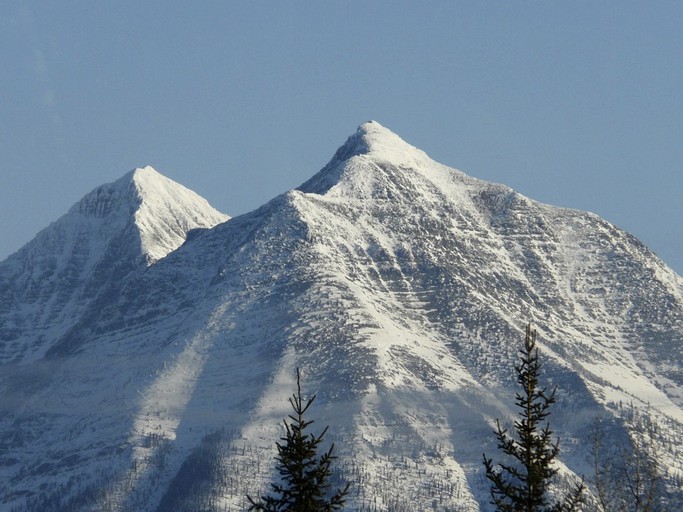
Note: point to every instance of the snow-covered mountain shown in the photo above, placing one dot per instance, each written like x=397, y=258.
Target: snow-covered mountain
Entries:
x=143, y=373
x=114, y=230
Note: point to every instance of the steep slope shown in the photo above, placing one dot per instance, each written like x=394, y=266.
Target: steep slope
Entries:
x=401, y=288
x=116, y=228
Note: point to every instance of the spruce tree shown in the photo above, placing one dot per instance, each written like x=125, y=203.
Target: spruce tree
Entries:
x=304, y=477
x=523, y=485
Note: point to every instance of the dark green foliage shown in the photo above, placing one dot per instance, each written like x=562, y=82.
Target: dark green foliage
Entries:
x=522, y=486
x=304, y=476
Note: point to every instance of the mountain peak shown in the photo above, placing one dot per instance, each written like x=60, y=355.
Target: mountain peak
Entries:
x=372, y=138
x=368, y=136
x=143, y=174
x=115, y=229
x=375, y=132
x=121, y=195
x=146, y=182
x=162, y=210
x=167, y=211
x=371, y=141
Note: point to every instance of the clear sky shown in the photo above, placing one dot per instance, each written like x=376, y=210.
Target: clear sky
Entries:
x=576, y=104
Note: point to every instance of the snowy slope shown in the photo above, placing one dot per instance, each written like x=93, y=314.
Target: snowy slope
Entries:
x=116, y=228
x=401, y=287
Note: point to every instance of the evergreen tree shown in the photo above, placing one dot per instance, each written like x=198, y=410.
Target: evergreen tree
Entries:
x=304, y=477
x=523, y=485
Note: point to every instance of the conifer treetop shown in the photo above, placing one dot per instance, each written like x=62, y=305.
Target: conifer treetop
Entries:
x=522, y=485
x=304, y=476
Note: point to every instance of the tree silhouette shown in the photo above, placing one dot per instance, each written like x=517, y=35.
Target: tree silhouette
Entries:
x=523, y=485
x=304, y=477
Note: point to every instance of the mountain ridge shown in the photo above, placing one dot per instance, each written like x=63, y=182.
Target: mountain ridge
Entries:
x=399, y=286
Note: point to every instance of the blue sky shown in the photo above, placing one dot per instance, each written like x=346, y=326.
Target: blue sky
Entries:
x=577, y=104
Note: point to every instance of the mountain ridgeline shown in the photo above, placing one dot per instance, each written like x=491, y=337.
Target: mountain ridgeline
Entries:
x=149, y=343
